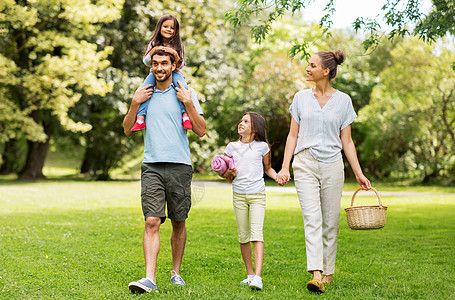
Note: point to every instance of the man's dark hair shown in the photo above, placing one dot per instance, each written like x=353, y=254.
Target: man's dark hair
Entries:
x=162, y=53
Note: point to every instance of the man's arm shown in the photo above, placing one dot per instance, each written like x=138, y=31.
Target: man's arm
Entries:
x=197, y=120
x=141, y=95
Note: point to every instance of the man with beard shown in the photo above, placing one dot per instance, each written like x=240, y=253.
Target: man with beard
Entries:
x=166, y=170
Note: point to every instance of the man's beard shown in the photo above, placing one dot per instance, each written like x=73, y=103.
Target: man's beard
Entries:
x=166, y=77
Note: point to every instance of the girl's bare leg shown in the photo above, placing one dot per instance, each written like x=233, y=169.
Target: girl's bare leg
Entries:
x=258, y=256
x=246, y=255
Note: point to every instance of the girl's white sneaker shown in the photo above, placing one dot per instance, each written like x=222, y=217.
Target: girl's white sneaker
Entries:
x=247, y=280
x=256, y=283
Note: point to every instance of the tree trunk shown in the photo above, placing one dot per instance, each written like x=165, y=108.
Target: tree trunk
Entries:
x=34, y=164
x=88, y=164
x=7, y=166
x=428, y=177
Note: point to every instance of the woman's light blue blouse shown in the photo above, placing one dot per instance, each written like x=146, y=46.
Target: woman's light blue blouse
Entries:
x=319, y=128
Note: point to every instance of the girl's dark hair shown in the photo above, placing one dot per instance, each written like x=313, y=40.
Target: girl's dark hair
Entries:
x=157, y=38
x=258, y=127
x=330, y=60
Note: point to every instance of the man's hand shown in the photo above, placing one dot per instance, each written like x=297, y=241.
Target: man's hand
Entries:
x=143, y=94
x=184, y=95
x=197, y=120
x=140, y=96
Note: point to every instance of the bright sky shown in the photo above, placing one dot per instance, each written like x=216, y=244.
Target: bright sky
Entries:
x=348, y=10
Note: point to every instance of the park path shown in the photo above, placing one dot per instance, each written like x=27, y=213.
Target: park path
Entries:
x=291, y=190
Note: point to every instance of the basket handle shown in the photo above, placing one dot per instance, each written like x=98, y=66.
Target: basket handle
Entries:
x=359, y=189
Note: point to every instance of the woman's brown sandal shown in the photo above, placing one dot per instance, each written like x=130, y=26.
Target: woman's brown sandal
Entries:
x=316, y=286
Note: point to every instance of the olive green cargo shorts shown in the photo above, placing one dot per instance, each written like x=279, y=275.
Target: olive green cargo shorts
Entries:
x=166, y=183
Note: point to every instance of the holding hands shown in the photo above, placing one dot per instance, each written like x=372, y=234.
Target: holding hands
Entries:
x=283, y=177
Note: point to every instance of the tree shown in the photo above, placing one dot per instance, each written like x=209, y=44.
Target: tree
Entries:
x=49, y=65
x=410, y=121
x=105, y=144
x=400, y=16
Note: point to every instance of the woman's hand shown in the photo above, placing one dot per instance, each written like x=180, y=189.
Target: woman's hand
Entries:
x=364, y=182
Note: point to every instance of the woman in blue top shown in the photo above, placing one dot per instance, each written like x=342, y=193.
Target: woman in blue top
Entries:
x=320, y=128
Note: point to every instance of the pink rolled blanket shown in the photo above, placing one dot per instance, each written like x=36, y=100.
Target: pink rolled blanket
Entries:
x=221, y=163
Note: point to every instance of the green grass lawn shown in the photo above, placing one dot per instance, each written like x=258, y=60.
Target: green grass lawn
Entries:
x=83, y=240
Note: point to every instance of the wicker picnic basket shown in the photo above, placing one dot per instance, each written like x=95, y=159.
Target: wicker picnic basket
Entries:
x=366, y=217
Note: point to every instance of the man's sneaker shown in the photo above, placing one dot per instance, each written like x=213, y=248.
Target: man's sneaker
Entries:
x=144, y=285
x=140, y=124
x=256, y=283
x=177, y=279
x=247, y=280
